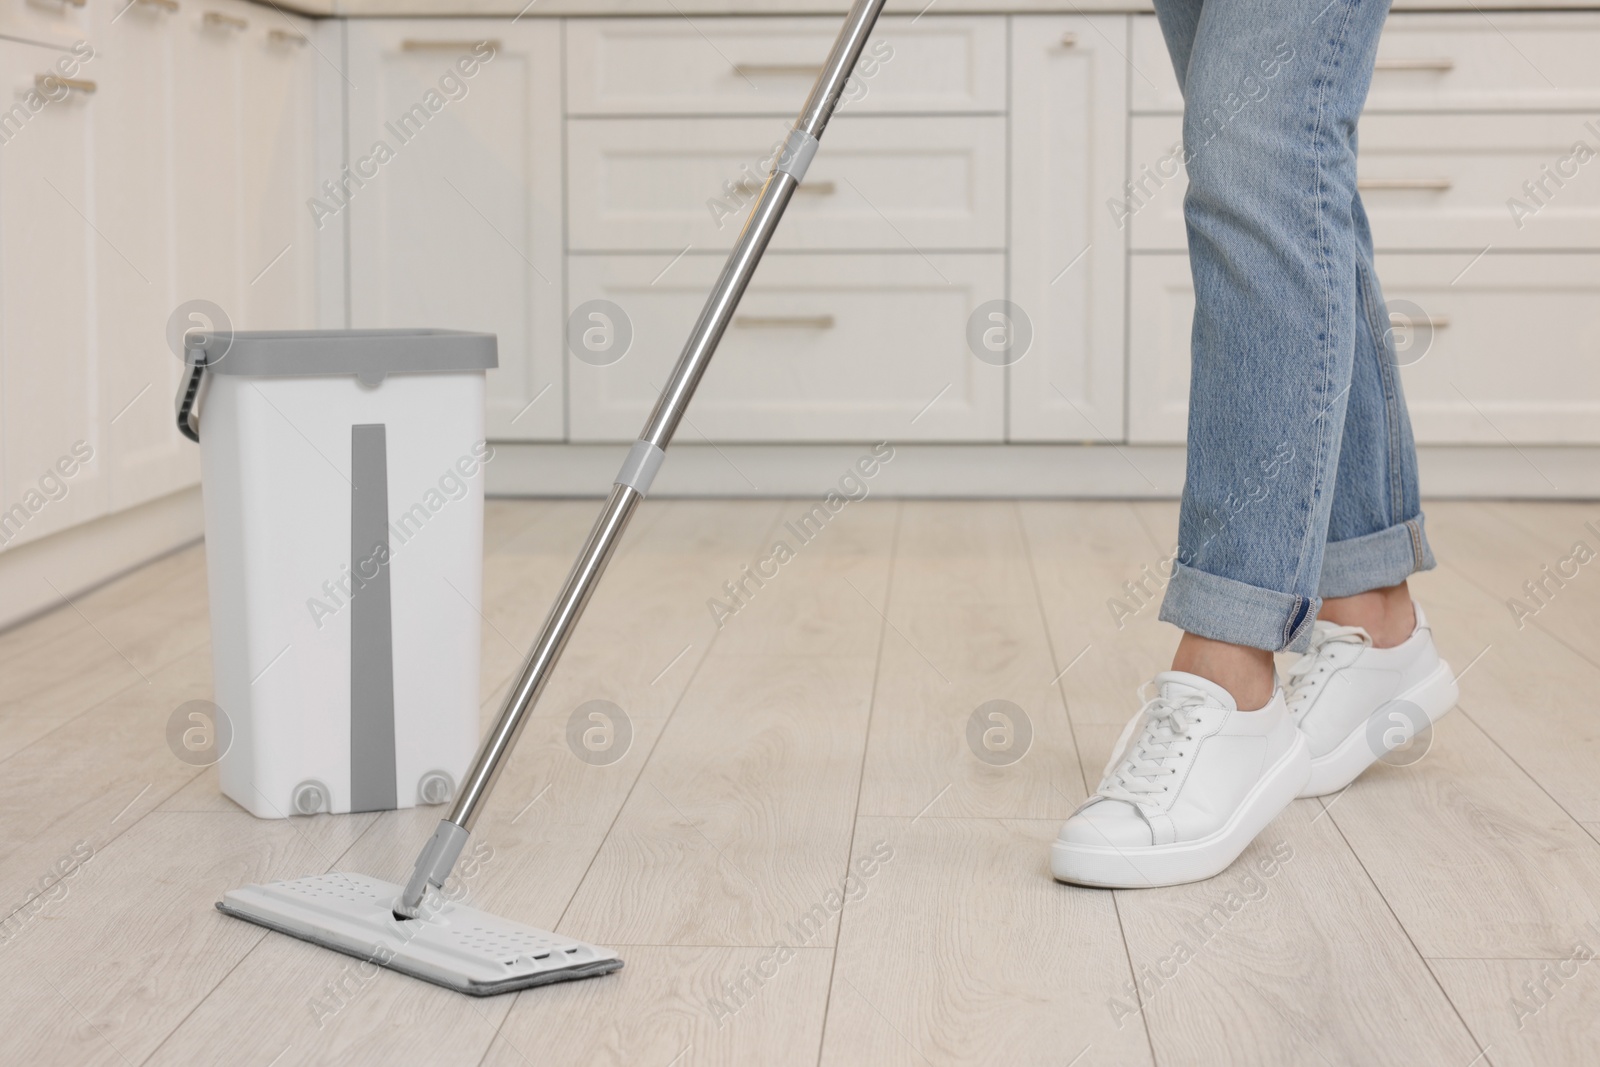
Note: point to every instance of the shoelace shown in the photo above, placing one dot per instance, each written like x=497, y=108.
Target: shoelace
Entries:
x=1306, y=674
x=1141, y=770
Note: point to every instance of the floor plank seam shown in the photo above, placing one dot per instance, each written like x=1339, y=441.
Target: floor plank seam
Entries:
x=644, y=765
x=861, y=772
x=1411, y=941
x=130, y=687
x=1523, y=770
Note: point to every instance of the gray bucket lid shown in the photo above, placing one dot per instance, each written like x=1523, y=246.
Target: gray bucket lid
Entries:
x=368, y=354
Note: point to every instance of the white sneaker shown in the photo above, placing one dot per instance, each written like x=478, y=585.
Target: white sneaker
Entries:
x=1355, y=703
x=1191, y=782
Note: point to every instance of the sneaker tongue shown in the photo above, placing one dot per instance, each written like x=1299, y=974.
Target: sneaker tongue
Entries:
x=1178, y=685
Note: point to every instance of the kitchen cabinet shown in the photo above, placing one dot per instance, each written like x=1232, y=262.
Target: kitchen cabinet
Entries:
x=1476, y=148
x=49, y=358
x=1069, y=139
x=454, y=197
x=171, y=166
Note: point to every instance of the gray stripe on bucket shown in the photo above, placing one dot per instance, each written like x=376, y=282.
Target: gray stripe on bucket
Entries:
x=372, y=760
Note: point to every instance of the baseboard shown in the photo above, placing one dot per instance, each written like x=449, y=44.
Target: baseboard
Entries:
x=81, y=557
x=78, y=559
x=1564, y=472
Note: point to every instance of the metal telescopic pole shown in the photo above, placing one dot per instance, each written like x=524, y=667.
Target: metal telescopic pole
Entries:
x=439, y=856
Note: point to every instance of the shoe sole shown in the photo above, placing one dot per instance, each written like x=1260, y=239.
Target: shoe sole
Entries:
x=1109, y=867
x=1434, y=695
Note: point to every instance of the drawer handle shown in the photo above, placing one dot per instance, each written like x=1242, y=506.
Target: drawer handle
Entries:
x=817, y=188
x=1440, y=64
x=46, y=83
x=414, y=44
x=1437, y=322
x=1434, y=184
x=287, y=37
x=165, y=5
x=217, y=20
x=810, y=69
x=789, y=322
x=1069, y=39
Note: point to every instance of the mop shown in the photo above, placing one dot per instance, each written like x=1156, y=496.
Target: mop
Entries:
x=413, y=928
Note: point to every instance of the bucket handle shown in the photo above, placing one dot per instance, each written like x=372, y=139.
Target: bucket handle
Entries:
x=188, y=393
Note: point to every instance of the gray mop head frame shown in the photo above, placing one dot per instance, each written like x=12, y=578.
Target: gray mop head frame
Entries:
x=449, y=944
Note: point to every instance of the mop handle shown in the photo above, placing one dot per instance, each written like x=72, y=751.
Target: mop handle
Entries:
x=438, y=857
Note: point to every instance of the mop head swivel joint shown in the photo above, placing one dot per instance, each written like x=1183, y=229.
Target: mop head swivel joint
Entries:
x=449, y=944
x=433, y=867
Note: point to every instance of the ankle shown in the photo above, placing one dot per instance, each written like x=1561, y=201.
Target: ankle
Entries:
x=1246, y=673
x=1386, y=614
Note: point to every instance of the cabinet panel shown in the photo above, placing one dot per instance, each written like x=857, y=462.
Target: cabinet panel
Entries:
x=278, y=112
x=1068, y=147
x=824, y=348
x=1428, y=181
x=1506, y=348
x=1161, y=316
x=135, y=167
x=1518, y=61
x=455, y=196
x=877, y=184
x=765, y=66
x=48, y=257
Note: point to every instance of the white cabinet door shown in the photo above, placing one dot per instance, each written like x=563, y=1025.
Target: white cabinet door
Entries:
x=453, y=195
x=1161, y=315
x=823, y=348
x=765, y=66
x=278, y=114
x=135, y=167
x=1502, y=349
x=209, y=42
x=879, y=183
x=1067, y=253
x=49, y=249
x=1506, y=348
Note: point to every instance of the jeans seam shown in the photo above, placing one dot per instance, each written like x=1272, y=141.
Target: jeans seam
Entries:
x=1319, y=462
x=1387, y=370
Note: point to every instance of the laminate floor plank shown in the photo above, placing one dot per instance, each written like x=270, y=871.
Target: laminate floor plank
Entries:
x=957, y=947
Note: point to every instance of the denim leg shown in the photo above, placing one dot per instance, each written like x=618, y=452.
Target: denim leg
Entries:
x=1375, y=529
x=1179, y=19
x=1273, y=90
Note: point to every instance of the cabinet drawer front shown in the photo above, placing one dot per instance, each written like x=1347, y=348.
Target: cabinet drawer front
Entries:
x=1504, y=348
x=823, y=348
x=884, y=184
x=1426, y=61
x=766, y=66
x=1428, y=181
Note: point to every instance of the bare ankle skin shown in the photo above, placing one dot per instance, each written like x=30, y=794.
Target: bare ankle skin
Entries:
x=1246, y=673
x=1386, y=614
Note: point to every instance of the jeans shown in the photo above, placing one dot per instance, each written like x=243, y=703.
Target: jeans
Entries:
x=1302, y=471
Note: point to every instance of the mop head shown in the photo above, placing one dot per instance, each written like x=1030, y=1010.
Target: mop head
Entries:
x=449, y=944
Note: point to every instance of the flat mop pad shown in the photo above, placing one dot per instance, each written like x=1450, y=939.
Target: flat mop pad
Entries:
x=449, y=944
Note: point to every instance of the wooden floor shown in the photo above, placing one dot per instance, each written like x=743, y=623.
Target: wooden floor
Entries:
x=1444, y=912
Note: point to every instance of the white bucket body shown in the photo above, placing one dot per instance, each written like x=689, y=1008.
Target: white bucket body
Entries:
x=345, y=621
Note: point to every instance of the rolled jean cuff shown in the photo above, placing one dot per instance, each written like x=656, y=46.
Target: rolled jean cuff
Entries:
x=1222, y=609
x=1375, y=560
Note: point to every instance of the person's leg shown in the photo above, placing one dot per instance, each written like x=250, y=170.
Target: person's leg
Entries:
x=1272, y=93
x=1376, y=537
x=1372, y=677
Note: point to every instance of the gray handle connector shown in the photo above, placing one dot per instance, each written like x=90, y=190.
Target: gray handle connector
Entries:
x=639, y=469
